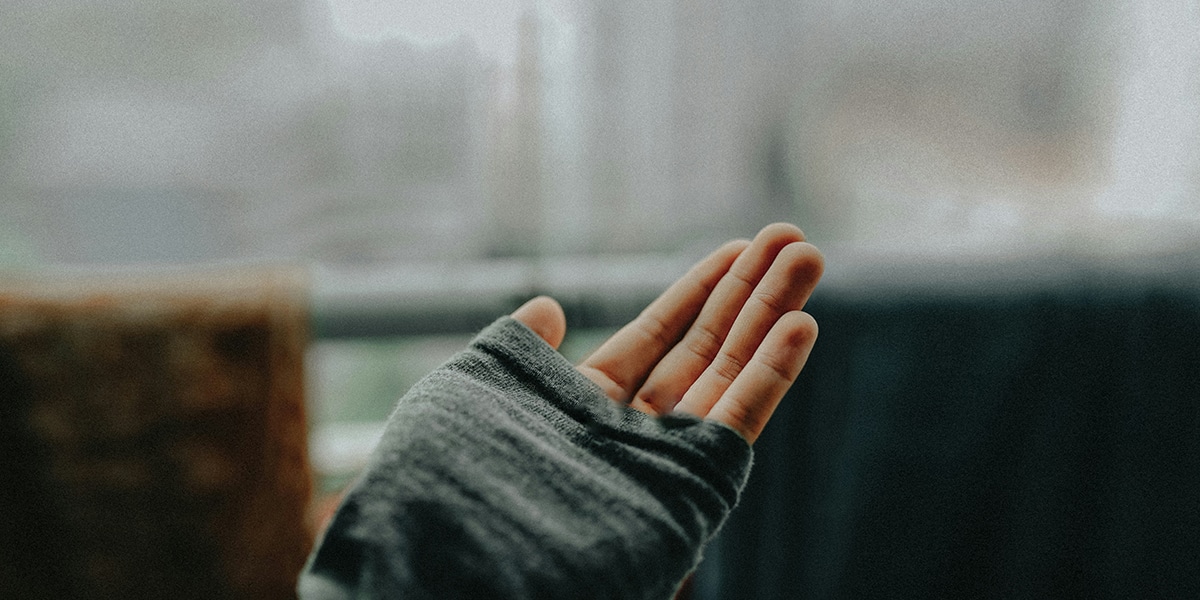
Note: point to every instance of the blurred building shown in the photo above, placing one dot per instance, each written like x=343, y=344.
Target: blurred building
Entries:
x=967, y=121
x=116, y=119
x=959, y=118
x=385, y=161
x=219, y=130
x=684, y=123
x=157, y=130
x=517, y=183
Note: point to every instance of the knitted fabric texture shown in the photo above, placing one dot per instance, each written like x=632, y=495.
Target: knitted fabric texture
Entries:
x=507, y=474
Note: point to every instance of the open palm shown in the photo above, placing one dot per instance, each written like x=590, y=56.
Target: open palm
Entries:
x=724, y=342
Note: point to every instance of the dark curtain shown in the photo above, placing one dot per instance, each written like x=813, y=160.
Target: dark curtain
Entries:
x=1039, y=440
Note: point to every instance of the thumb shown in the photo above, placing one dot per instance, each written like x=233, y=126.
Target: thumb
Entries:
x=545, y=317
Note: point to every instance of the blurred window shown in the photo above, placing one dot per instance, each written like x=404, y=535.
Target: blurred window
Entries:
x=506, y=141
x=356, y=132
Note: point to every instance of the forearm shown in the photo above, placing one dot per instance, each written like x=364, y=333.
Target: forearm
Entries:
x=507, y=474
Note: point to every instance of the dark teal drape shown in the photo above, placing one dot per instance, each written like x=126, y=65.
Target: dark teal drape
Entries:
x=1014, y=439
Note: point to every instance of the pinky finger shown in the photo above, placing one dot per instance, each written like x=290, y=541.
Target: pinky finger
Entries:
x=751, y=399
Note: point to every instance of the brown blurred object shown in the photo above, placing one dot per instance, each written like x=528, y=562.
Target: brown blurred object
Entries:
x=153, y=435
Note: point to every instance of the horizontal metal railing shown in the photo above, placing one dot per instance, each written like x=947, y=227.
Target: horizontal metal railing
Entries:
x=422, y=299
x=608, y=291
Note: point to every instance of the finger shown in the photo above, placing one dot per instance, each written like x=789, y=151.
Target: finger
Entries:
x=545, y=317
x=785, y=288
x=678, y=370
x=749, y=402
x=621, y=364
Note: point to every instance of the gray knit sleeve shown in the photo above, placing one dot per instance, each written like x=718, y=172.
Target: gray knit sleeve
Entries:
x=507, y=474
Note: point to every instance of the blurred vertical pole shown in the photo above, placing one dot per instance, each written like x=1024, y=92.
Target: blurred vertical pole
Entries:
x=1155, y=156
x=516, y=157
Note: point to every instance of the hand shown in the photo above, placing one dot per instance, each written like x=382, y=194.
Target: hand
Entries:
x=725, y=342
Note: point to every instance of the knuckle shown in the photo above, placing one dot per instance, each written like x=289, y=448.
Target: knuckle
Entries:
x=781, y=367
x=771, y=301
x=654, y=330
x=727, y=366
x=742, y=278
x=743, y=418
x=704, y=343
x=613, y=387
x=646, y=401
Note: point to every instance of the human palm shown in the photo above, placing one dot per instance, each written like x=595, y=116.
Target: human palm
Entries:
x=724, y=342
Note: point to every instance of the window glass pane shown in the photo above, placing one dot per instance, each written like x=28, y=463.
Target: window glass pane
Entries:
x=361, y=132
